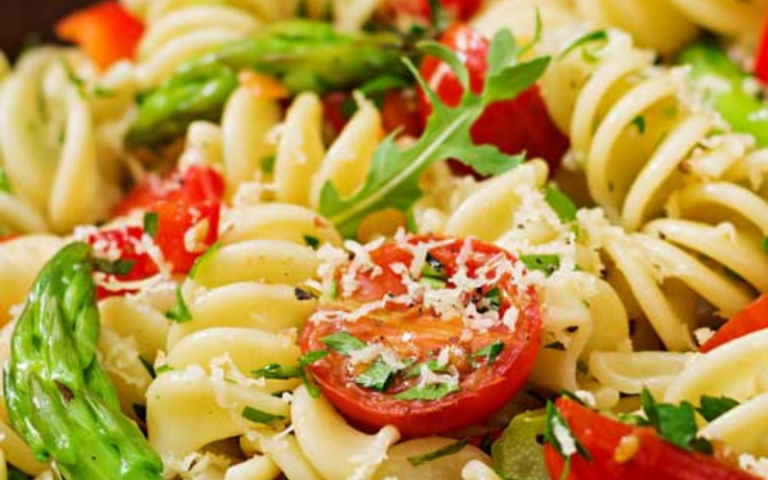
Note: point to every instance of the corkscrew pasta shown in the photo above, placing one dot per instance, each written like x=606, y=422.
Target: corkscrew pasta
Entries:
x=316, y=249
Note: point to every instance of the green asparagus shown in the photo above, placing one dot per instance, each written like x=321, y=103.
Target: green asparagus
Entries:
x=305, y=55
x=57, y=395
x=743, y=110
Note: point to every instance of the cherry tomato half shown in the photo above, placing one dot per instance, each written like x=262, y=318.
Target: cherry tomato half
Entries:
x=625, y=452
x=456, y=9
x=488, y=365
x=752, y=318
x=514, y=126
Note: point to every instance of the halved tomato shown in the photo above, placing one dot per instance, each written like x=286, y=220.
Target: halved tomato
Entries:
x=624, y=452
x=437, y=334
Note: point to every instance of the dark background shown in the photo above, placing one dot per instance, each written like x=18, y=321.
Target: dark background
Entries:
x=31, y=21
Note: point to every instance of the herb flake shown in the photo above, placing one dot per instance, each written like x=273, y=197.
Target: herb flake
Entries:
x=151, y=224
x=179, y=312
x=258, y=416
x=427, y=392
x=343, y=342
x=445, y=451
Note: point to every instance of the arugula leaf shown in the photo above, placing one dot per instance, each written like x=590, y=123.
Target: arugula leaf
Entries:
x=343, y=342
x=277, y=371
x=445, y=451
x=179, y=313
x=517, y=453
x=712, y=408
x=151, y=224
x=204, y=258
x=490, y=352
x=548, y=264
x=675, y=424
x=306, y=377
x=377, y=376
x=258, y=416
x=118, y=267
x=561, y=204
x=5, y=184
x=393, y=178
x=427, y=392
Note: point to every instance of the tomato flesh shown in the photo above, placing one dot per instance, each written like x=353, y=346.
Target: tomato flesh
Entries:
x=105, y=31
x=417, y=334
x=752, y=318
x=652, y=459
x=181, y=201
x=513, y=126
x=459, y=9
x=399, y=112
x=761, y=57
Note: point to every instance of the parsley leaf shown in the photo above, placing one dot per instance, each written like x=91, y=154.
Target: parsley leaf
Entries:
x=546, y=263
x=343, y=342
x=312, y=242
x=203, y=259
x=277, y=371
x=377, y=376
x=151, y=224
x=445, y=451
x=306, y=377
x=561, y=204
x=639, y=122
x=393, y=178
x=258, y=416
x=490, y=352
x=427, y=392
x=675, y=424
x=179, y=313
x=712, y=408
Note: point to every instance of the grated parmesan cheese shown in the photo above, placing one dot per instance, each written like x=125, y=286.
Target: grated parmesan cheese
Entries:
x=564, y=437
x=755, y=466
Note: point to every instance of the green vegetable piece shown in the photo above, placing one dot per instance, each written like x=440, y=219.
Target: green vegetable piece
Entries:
x=518, y=453
x=711, y=408
x=561, y=204
x=446, y=451
x=591, y=37
x=343, y=342
x=277, y=371
x=393, y=178
x=118, y=267
x=743, y=110
x=5, y=184
x=490, y=352
x=203, y=259
x=151, y=224
x=305, y=55
x=428, y=392
x=377, y=376
x=312, y=242
x=179, y=312
x=675, y=423
x=546, y=263
x=433, y=283
x=57, y=396
x=258, y=416
x=306, y=376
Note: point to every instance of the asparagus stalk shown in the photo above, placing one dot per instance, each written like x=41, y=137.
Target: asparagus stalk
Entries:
x=57, y=396
x=744, y=111
x=305, y=55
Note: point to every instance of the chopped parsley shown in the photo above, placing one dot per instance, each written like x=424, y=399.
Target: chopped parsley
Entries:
x=490, y=352
x=312, y=242
x=268, y=164
x=343, y=342
x=179, y=312
x=150, y=368
x=546, y=263
x=639, y=123
x=493, y=298
x=204, y=258
x=258, y=416
x=445, y=451
x=163, y=368
x=333, y=290
x=433, y=268
x=596, y=36
x=276, y=371
x=765, y=239
x=711, y=408
x=5, y=184
x=675, y=424
x=431, y=364
x=561, y=204
x=306, y=377
x=427, y=392
x=433, y=283
x=118, y=267
x=378, y=376
x=151, y=224
x=302, y=295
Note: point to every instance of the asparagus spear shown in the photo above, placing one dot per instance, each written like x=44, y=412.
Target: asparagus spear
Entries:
x=305, y=55
x=57, y=396
x=742, y=109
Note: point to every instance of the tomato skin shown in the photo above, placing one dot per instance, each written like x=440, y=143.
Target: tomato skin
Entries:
x=174, y=220
x=484, y=390
x=461, y=9
x=752, y=318
x=513, y=126
x=654, y=458
x=105, y=31
x=761, y=57
x=399, y=111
